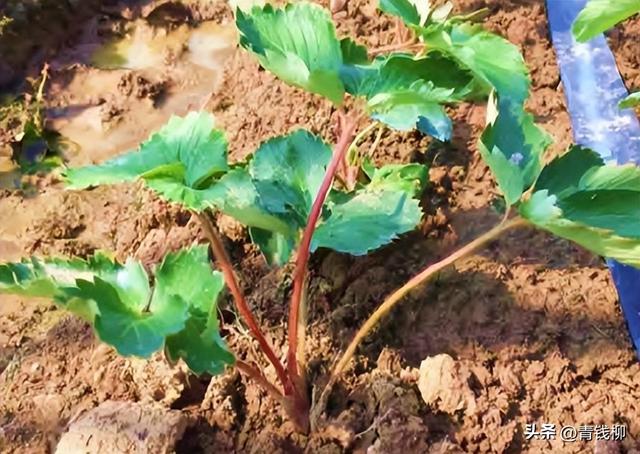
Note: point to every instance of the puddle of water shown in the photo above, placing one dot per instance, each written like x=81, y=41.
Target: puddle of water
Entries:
x=210, y=44
x=145, y=47
x=201, y=54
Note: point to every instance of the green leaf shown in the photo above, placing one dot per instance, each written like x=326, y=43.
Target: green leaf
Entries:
x=276, y=247
x=408, y=178
x=353, y=53
x=614, y=210
x=27, y=279
x=416, y=12
x=177, y=161
x=600, y=15
x=287, y=172
x=418, y=105
x=127, y=167
x=406, y=92
x=127, y=324
x=180, y=311
x=201, y=347
x=53, y=277
x=131, y=282
x=491, y=58
x=282, y=181
x=188, y=273
x=542, y=211
x=173, y=190
x=400, y=71
x=275, y=193
x=236, y=194
x=598, y=206
x=581, y=169
x=356, y=69
x=366, y=221
x=512, y=146
x=128, y=315
x=199, y=343
x=631, y=101
x=403, y=9
x=358, y=76
x=298, y=44
x=622, y=177
x=562, y=176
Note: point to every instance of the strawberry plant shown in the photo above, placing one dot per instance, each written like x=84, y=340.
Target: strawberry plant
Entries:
x=296, y=195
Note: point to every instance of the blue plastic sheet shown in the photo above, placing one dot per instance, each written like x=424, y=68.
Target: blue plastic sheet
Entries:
x=593, y=87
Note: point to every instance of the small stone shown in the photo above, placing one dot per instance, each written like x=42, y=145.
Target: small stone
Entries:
x=124, y=427
x=444, y=385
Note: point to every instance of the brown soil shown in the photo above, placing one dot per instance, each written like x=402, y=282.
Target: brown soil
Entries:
x=531, y=327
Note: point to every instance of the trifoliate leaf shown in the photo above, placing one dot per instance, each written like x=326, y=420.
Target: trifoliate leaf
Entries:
x=406, y=92
x=125, y=312
x=177, y=161
x=542, y=211
x=400, y=71
x=600, y=15
x=598, y=207
x=275, y=193
x=582, y=169
x=273, y=196
x=512, y=147
x=287, y=172
x=366, y=221
x=633, y=100
x=491, y=58
x=298, y=44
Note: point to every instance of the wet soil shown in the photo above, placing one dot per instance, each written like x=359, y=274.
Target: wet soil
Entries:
x=528, y=331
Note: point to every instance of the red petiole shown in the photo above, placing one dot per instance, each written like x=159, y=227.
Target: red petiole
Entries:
x=347, y=128
x=294, y=398
x=225, y=265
